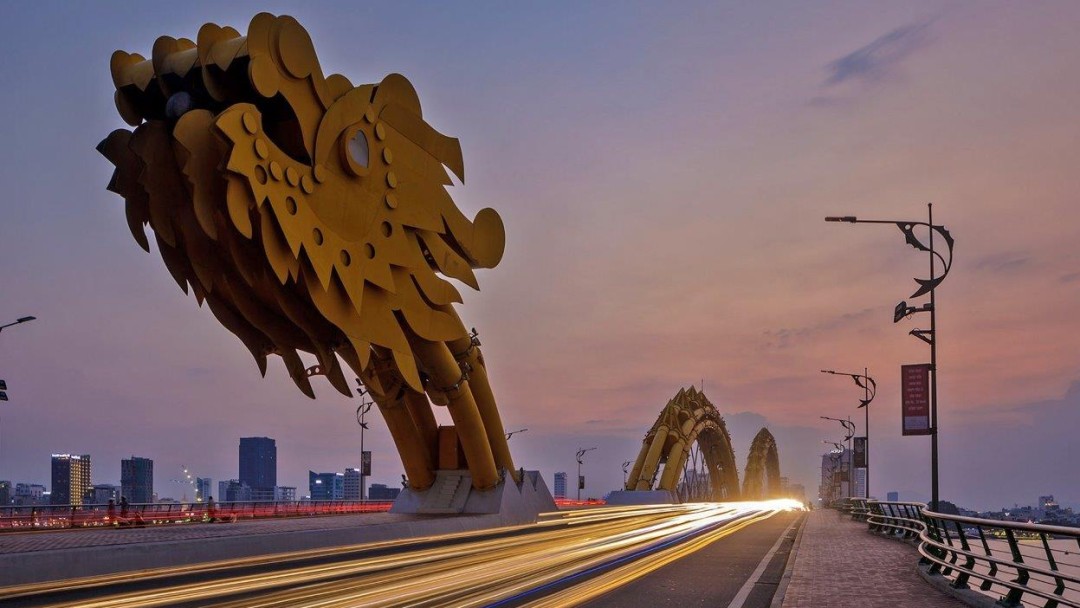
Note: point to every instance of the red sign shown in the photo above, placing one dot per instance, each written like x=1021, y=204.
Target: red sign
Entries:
x=915, y=398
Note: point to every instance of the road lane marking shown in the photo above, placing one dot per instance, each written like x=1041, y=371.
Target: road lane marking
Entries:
x=740, y=598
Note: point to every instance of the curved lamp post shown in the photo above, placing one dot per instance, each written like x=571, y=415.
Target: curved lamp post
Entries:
x=17, y=321
x=903, y=310
x=361, y=413
x=3, y=388
x=865, y=382
x=512, y=433
x=580, y=461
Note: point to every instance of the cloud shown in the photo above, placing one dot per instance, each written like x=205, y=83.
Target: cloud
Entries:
x=1006, y=261
x=1071, y=277
x=870, y=65
x=879, y=59
x=787, y=337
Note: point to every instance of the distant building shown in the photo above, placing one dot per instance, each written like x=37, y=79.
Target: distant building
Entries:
x=5, y=493
x=102, y=493
x=29, y=494
x=285, y=493
x=380, y=491
x=71, y=481
x=796, y=491
x=258, y=466
x=137, y=479
x=326, y=486
x=203, y=489
x=892, y=496
x=560, y=484
x=233, y=491
x=838, y=479
x=352, y=488
x=263, y=494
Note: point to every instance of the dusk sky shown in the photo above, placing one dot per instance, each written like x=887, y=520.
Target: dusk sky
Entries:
x=663, y=171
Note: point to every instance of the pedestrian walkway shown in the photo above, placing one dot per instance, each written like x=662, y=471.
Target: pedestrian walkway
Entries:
x=839, y=564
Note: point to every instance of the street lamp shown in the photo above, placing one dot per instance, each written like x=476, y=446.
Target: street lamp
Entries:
x=581, y=460
x=17, y=321
x=849, y=428
x=902, y=310
x=626, y=471
x=865, y=382
x=512, y=433
x=3, y=385
x=361, y=413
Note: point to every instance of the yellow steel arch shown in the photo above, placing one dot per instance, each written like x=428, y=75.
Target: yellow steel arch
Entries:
x=688, y=423
x=762, y=477
x=312, y=215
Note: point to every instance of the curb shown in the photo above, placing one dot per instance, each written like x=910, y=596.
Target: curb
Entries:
x=785, y=579
x=944, y=585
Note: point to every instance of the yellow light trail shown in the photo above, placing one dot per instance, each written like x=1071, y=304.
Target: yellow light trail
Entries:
x=472, y=569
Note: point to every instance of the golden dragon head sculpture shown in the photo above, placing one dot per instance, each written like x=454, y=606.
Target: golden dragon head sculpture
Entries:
x=310, y=214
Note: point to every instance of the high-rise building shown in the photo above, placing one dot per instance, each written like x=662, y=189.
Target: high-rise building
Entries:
x=233, y=491
x=137, y=479
x=104, y=492
x=71, y=482
x=5, y=493
x=351, y=490
x=560, y=484
x=326, y=486
x=258, y=466
x=285, y=493
x=839, y=479
x=203, y=489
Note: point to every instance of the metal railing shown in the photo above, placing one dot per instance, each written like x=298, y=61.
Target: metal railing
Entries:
x=39, y=517
x=1020, y=564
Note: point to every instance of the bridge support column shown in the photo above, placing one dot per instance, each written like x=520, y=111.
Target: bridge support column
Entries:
x=652, y=460
x=673, y=467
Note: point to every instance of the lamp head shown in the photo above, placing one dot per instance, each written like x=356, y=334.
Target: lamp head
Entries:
x=902, y=310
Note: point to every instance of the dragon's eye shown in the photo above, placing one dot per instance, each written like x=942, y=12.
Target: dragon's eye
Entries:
x=358, y=149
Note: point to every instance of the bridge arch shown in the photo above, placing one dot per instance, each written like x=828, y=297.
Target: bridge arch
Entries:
x=692, y=443
x=761, y=479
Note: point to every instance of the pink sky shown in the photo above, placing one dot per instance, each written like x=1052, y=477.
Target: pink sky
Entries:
x=663, y=176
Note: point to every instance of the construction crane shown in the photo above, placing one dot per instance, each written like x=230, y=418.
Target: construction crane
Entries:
x=187, y=479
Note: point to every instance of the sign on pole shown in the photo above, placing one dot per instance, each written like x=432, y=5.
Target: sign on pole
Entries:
x=365, y=463
x=860, y=452
x=915, y=398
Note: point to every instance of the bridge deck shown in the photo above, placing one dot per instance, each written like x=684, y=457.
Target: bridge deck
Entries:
x=839, y=564
x=48, y=540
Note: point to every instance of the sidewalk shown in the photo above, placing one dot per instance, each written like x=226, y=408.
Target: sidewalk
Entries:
x=841, y=565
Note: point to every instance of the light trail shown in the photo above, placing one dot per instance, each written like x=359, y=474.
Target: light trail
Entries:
x=565, y=559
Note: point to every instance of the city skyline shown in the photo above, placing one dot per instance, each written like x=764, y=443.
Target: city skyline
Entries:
x=633, y=268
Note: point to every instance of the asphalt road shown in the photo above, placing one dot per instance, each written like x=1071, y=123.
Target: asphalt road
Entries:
x=567, y=559
x=714, y=575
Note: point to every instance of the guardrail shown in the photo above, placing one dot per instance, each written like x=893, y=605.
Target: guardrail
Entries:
x=38, y=517
x=1023, y=564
